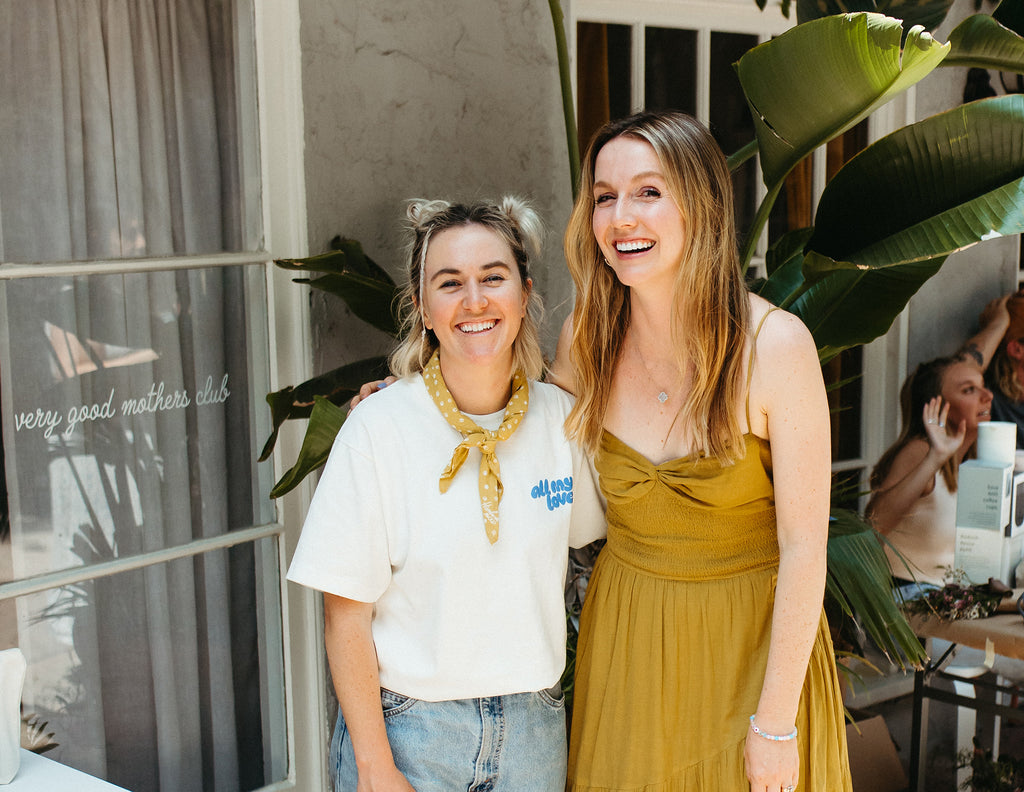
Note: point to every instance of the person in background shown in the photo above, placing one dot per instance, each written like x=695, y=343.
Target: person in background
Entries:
x=1005, y=377
x=914, y=483
x=439, y=529
x=704, y=659
x=913, y=486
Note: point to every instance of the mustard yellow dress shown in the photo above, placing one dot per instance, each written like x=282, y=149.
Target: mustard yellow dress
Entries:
x=675, y=630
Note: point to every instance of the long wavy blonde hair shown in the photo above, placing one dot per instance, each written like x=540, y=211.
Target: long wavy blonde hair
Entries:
x=712, y=311
x=514, y=221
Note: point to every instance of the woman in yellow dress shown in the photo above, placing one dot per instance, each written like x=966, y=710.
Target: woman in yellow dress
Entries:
x=704, y=660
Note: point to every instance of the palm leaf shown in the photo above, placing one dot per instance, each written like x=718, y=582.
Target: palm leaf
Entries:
x=338, y=386
x=990, y=41
x=860, y=581
x=889, y=218
x=837, y=70
x=324, y=422
x=928, y=189
x=350, y=274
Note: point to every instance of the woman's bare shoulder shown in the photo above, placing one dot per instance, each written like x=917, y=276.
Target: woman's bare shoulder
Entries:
x=777, y=331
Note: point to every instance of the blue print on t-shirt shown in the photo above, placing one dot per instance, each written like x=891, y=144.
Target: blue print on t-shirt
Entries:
x=557, y=491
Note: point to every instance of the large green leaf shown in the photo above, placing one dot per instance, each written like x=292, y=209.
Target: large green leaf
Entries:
x=784, y=264
x=981, y=41
x=928, y=189
x=338, y=386
x=820, y=78
x=345, y=255
x=324, y=422
x=927, y=13
x=860, y=581
x=371, y=299
x=350, y=274
x=844, y=305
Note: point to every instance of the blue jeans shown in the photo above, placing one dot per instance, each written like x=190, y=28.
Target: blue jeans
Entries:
x=513, y=743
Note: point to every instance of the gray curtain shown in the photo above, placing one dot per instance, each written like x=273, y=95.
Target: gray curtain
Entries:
x=119, y=139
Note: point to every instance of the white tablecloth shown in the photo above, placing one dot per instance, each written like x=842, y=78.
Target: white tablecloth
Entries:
x=39, y=774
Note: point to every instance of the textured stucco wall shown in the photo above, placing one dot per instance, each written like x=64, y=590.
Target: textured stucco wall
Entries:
x=454, y=99
x=944, y=313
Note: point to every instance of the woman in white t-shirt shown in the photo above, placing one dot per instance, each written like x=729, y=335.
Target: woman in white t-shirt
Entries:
x=443, y=581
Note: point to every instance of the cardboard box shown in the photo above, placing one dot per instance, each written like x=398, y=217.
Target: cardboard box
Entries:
x=874, y=763
x=989, y=544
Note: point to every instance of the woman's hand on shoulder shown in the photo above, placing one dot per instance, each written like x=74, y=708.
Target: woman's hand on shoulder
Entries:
x=371, y=388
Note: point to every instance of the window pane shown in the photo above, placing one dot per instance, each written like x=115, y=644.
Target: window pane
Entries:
x=133, y=413
x=731, y=123
x=126, y=130
x=603, y=76
x=844, y=378
x=670, y=69
x=165, y=678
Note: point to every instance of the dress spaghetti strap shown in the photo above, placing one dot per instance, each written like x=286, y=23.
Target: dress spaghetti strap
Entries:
x=750, y=363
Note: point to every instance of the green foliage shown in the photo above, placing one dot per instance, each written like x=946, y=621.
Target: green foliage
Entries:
x=889, y=218
x=1005, y=774
x=370, y=293
x=859, y=580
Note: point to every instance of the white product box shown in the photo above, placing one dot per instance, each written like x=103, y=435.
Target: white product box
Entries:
x=989, y=544
x=1017, y=506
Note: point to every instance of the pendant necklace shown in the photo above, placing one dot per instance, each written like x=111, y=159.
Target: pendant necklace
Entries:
x=662, y=396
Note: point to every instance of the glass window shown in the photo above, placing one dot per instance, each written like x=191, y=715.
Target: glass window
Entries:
x=139, y=568
x=670, y=68
x=151, y=678
x=133, y=415
x=121, y=129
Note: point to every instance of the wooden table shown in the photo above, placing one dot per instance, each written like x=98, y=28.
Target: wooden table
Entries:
x=1001, y=634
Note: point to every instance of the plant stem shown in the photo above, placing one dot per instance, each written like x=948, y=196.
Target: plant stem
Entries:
x=741, y=155
x=568, y=110
x=760, y=221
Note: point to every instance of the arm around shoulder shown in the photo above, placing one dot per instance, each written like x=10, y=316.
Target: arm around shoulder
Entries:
x=560, y=372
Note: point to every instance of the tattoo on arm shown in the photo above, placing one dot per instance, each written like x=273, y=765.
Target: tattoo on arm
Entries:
x=972, y=350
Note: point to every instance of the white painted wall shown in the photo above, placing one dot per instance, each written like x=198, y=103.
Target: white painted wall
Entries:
x=944, y=313
x=454, y=99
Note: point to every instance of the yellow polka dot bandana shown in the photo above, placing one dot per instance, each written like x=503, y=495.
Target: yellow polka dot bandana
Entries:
x=476, y=436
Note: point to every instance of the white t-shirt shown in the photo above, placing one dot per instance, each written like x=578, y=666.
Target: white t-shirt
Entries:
x=455, y=616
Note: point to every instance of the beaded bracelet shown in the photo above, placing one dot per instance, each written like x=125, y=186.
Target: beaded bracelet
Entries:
x=772, y=737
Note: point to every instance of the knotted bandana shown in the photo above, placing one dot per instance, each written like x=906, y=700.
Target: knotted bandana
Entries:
x=474, y=435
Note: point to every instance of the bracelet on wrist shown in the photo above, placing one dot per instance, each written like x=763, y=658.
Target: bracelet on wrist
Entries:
x=773, y=737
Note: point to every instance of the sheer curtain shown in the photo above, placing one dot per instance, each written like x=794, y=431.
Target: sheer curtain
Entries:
x=119, y=139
